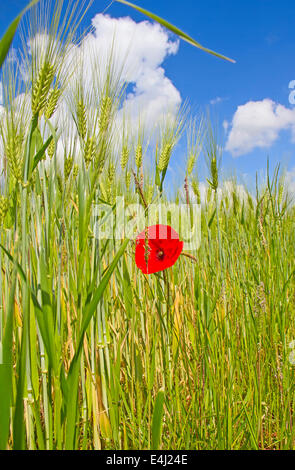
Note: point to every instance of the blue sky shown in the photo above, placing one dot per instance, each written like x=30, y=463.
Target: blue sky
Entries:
x=259, y=35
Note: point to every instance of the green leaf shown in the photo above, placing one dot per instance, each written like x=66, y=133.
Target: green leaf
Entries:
x=40, y=154
x=8, y=36
x=28, y=162
x=211, y=218
x=44, y=321
x=6, y=40
x=73, y=376
x=99, y=291
x=127, y=290
x=157, y=420
x=33, y=354
x=6, y=370
x=175, y=30
x=19, y=430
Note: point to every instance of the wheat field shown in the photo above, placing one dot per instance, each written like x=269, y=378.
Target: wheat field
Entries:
x=94, y=353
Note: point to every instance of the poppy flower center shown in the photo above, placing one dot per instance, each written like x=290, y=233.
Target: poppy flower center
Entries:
x=160, y=254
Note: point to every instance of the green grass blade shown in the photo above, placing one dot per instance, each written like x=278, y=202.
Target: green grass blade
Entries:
x=6, y=371
x=7, y=39
x=19, y=430
x=28, y=163
x=157, y=421
x=8, y=36
x=99, y=291
x=40, y=154
x=73, y=376
x=175, y=30
x=44, y=325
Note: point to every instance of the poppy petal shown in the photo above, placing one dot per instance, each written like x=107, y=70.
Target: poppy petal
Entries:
x=157, y=248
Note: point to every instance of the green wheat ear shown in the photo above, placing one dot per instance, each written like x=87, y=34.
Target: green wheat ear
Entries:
x=150, y=193
x=41, y=87
x=53, y=97
x=138, y=155
x=214, y=174
x=4, y=206
x=51, y=149
x=68, y=165
x=81, y=119
x=124, y=156
x=111, y=178
x=128, y=179
x=89, y=150
x=105, y=113
x=191, y=164
x=13, y=151
x=196, y=190
x=165, y=156
x=75, y=170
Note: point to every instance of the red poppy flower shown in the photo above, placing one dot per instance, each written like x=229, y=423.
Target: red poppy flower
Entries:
x=157, y=248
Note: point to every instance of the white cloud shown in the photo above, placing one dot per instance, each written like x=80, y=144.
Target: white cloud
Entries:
x=137, y=51
x=140, y=49
x=142, y=45
x=289, y=182
x=258, y=124
x=225, y=125
x=1, y=93
x=217, y=100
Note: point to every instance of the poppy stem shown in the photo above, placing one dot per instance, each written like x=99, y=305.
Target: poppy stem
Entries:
x=168, y=326
x=186, y=191
x=167, y=290
x=189, y=256
x=139, y=188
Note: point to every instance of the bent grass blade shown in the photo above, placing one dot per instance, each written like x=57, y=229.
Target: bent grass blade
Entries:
x=175, y=30
x=8, y=36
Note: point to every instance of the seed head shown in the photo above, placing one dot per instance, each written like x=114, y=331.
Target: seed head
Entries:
x=41, y=87
x=110, y=188
x=150, y=194
x=68, y=165
x=191, y=164
x=124, y=156
x=51, y=105
x=128, y=179
x=89, y=150
x=214, y=174
x=280, y=193
x=81, y=117
x=4, y=206
x=111, y=173
x=196, y=190
x=13, y=150
x=51, y=149
x=165, y=156
x=75, y=170
x=105, y=113
x=138, y=155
